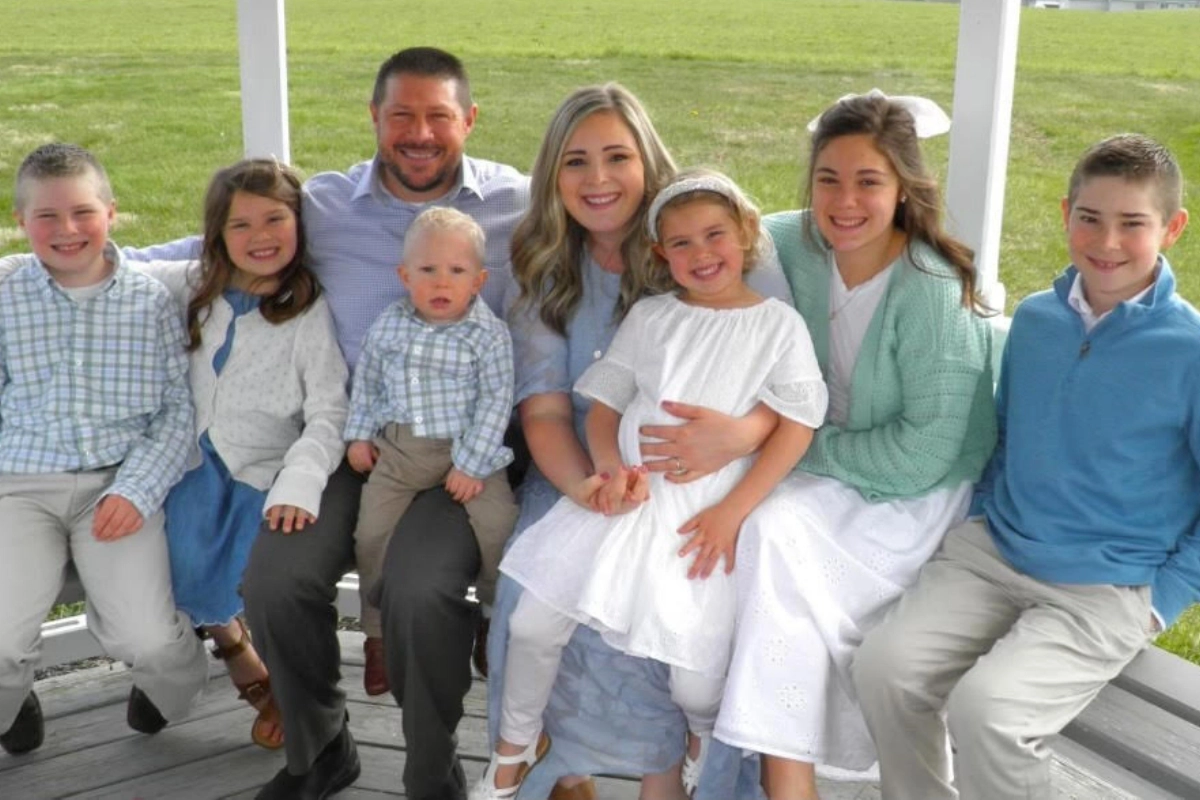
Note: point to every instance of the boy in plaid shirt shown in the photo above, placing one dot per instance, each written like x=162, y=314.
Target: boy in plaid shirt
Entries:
x=95, y=423
x=431, y=398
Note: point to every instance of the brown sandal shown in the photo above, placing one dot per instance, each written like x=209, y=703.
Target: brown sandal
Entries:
x=256, y=693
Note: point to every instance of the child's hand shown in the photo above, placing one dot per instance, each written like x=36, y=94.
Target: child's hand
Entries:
x=288, y=518
x=115, y=517
x=628, y=489
x=362, y=456
x=462, y=487
x=714, y=534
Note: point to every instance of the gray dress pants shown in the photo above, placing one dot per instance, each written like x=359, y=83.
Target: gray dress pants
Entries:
x=428, y=626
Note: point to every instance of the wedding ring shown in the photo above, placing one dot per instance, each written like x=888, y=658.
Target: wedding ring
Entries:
x=679, y=468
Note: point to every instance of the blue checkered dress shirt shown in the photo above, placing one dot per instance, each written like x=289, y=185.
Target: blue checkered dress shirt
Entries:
x=452, y=381
x=92, y=384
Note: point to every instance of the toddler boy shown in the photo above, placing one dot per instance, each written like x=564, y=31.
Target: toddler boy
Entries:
x=430, y=401
x=95, y=423
x=1090, y=536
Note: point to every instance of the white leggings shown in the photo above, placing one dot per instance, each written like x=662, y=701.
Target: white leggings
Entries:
x=537, y=636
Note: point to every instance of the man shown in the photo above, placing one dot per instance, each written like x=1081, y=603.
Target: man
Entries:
x=355, y=224
x=422, y=114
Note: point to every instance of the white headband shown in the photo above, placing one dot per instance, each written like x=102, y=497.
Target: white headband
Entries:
x=717, y=184
x=929, y=118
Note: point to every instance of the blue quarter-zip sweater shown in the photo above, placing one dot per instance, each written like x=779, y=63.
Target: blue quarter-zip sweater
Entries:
x=1096, y=477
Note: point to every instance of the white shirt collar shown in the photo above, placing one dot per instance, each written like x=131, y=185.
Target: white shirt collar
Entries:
x=1077, y=301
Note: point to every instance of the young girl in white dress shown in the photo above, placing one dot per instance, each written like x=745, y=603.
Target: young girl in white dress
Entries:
x=647, y=579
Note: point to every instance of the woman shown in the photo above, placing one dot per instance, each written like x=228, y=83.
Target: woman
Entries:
x=581, y=259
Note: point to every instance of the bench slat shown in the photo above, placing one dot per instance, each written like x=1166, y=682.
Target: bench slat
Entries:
x=1144, y=738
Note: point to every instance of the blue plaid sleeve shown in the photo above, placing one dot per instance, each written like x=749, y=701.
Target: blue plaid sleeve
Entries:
x=156, y=460
x=480, y=450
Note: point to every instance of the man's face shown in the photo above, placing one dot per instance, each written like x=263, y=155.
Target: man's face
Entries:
x=420, y=129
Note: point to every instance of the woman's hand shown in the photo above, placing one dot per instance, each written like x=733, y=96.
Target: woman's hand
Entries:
x=288, y=519
x=705, y=441
x=714, y=533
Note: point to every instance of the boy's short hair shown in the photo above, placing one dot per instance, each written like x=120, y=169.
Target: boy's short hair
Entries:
x=442, y=219
x=59, y=160
x=1137, y=159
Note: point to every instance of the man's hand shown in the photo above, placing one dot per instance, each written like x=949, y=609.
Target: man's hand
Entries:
x=115, y=517
x=362, y=456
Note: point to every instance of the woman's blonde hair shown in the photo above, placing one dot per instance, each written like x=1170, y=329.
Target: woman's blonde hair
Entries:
x=547, y=245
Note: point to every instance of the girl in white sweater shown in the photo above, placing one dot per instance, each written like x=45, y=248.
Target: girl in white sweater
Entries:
x=269, y=386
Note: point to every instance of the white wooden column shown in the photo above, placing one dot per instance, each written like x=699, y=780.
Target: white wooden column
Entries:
x=262, y=52
x=985, y=71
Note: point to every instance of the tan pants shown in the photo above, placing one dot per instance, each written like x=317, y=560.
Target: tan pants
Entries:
x=409, y=464
x=46, y=520
x=995, y=657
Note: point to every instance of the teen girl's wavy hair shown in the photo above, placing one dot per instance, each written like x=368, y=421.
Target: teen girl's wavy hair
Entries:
x=547, y=245
x=893, y=132
x=297, y=290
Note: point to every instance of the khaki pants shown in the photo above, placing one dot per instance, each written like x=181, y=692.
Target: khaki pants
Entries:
x=409, y=464
x=995, y=657
x=46, y=520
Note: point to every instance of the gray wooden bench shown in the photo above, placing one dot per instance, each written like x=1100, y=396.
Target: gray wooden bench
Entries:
x=1141, y=734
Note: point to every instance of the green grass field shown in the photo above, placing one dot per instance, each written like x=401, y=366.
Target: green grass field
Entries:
x=152, y=87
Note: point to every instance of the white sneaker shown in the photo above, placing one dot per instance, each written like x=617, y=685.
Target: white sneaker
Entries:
x=486, y=789
x=692, y=769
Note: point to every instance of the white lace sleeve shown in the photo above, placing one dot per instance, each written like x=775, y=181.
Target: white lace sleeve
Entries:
x=803, y=401
x=611, y=379
x=795, y=388
x=609, y=383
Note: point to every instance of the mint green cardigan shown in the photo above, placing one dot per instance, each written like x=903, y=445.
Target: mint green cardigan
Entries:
x=921, y=412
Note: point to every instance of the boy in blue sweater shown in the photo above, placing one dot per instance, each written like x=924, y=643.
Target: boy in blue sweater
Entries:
x=1089, y=540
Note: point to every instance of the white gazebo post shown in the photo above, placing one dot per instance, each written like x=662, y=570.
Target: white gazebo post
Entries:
x=985, y=71
x=262, y=54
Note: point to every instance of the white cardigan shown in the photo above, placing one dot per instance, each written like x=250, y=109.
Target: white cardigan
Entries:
x=275, y=415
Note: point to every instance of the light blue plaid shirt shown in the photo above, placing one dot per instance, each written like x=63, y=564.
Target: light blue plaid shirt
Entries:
x=355, y=232
x=452, y=381
x=86, y=385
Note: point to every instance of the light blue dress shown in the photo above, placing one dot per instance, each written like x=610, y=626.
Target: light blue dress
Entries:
x=212, y=519
x=608, y=712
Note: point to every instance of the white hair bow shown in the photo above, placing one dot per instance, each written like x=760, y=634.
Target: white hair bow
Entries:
x=929, y=118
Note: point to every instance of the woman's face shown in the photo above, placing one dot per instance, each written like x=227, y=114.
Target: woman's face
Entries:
x=601, y=177
x=854, y=195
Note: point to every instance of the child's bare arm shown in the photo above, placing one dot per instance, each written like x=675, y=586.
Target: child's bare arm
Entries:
x=625, y=487
x=548, y=422
x=714, y=531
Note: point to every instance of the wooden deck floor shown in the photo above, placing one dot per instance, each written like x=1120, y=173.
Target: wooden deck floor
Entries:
x=90, y=753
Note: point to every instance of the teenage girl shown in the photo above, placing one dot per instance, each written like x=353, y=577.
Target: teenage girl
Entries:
x=890, y=302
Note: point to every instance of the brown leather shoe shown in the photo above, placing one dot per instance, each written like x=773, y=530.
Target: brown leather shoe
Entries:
x=479, y=652
x=580, y=791
x=375, y=679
